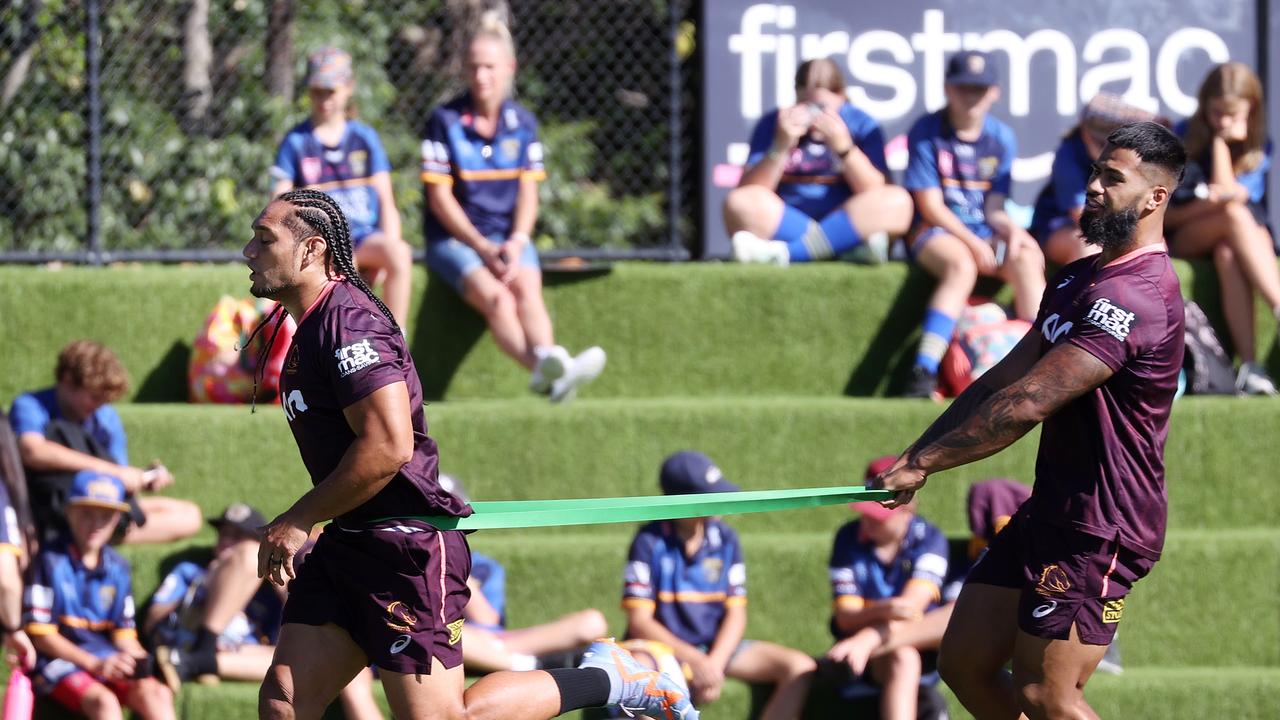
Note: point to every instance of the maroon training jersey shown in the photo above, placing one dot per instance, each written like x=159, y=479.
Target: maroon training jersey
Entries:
x=344, y=350
x=1101, y=463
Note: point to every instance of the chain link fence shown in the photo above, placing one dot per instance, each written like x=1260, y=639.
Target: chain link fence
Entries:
x=164, y=154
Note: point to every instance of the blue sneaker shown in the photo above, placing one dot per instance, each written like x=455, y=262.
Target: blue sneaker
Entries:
x=634, y=688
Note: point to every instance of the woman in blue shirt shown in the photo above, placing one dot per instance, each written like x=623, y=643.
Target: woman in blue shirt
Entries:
x=1219, y=210
x=815, y=186
x=481, y=165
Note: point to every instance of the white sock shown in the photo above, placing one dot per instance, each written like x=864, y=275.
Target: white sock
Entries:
x=520, y=662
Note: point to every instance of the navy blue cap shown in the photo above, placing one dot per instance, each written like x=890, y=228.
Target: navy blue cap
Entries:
x=689, y=472
x=971, y=68
x=97, y=490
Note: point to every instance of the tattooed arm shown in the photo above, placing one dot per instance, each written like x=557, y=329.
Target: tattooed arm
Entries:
x=1062, y=375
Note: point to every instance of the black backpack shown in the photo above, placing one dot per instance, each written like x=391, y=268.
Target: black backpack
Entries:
x=1207, y=366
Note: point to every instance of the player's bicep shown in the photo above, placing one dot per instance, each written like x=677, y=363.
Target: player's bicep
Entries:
x=1065, y=373
x=383, y=415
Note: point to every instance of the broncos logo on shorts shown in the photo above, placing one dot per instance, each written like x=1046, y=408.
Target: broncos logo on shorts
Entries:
x=1053, y=581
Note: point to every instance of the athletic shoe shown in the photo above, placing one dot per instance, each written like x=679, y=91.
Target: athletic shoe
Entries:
x=635, y=689
x=873, y=250
x=583, y=368
x=747, y=248
x=1253, y=380
x=550, y=368
x=175, y=666
x=923, y=384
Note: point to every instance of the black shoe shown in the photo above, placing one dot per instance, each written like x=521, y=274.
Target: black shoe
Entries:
x=923, y=384
x=175, y=666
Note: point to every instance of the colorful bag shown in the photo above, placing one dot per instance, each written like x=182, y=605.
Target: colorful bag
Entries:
x=984, y=335
x=222, y=368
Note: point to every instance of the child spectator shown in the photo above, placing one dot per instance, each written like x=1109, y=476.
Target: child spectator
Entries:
x=79, y=613
x=1219, y=210
x=481, y=164
x=959, y=173
x=72, y=427
x=345, y=159
x=816, y=181
x=887, y=571
x=685, y=586
x=1055, y=223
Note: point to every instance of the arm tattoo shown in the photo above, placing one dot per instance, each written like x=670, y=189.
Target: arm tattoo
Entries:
x=1063, y=375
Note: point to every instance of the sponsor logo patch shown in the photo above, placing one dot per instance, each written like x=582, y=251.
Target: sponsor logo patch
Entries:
x=711, y=569
x=1053, y=328
x=1112, y=318
x=355, y=356
x=294, y=404
x=400, y=644
x=358, y=160
x=455, y=630
x=1112, y=610
x=311, y=167
x=1042, y=610
x=399, y=617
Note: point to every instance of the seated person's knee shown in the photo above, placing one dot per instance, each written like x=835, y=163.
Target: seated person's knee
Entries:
x=592, y=624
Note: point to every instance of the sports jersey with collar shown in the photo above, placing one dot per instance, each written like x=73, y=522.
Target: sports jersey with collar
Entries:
x=859, y=576
x=484, y=172
x=32, y=411
x=344, y=171
x=689, y=594
x=965, y=171
x=812, y=179
x=91, y=608
x=343, y=351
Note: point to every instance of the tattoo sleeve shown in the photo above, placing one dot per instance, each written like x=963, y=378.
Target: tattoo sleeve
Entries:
x=1003, y=416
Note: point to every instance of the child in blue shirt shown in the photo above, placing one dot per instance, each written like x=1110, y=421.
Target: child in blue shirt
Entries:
x=959, y=173
x=685, y=586
x=816, y=183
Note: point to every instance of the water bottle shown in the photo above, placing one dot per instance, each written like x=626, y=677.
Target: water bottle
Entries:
x=19, y=700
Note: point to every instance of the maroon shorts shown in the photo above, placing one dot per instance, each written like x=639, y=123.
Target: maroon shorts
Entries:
x=71, y=689
x=1066, y=577
x=398, y=591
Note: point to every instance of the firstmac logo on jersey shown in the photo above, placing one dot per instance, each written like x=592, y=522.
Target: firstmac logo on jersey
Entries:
x=1115, y=320
x=355, y=356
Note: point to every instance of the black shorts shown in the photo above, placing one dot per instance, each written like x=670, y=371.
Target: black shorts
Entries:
x=398, y=591
x=1066, y=577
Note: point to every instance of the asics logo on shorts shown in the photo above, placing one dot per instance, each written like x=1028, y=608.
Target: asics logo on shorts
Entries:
x=400, y=644
x=1042, y=610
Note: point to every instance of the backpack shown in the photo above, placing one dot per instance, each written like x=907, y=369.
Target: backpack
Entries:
x=222, y=369
x=1206, y=364
x=984, y=335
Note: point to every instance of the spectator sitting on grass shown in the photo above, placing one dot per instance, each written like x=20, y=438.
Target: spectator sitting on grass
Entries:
x=959, y=173
x=1219, y=210
x=71, y=427
x=220, y=620
x=345, y=158
x=685, y=586
x=79, y=614
x=816, y=185
x=481, y=165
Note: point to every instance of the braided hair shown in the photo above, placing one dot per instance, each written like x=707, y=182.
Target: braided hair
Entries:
x=316, y=212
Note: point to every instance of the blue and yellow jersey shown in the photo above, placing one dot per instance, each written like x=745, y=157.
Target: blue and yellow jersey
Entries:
x=484, y=172
x=1065, y=190
x=965, y=171
x=32, y=411
x=812, y=180
x=91, y=608
x=689, y=594
x=10, y=531
x=344, y=171
x=859, y=577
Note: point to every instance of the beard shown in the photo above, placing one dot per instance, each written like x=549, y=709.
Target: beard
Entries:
x=267, y=290
x=1108, y=229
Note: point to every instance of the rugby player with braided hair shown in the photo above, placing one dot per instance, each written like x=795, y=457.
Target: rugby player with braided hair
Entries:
x=379, y=588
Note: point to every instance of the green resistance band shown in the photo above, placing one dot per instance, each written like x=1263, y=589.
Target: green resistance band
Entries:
x=497, y=514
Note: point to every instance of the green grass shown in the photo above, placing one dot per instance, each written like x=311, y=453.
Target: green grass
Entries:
x=693, y=330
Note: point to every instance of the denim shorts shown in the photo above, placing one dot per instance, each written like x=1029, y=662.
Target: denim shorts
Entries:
x=454, y=260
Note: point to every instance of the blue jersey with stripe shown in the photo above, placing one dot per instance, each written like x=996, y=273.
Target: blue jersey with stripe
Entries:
x=965, y=171
x=689, y=594
x=1065, y=190
x=484, y=172
x=91, y=608
x=32, y=411
x=858, y=576
x=344, y=171
x=812, y=180
x=493, y=583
